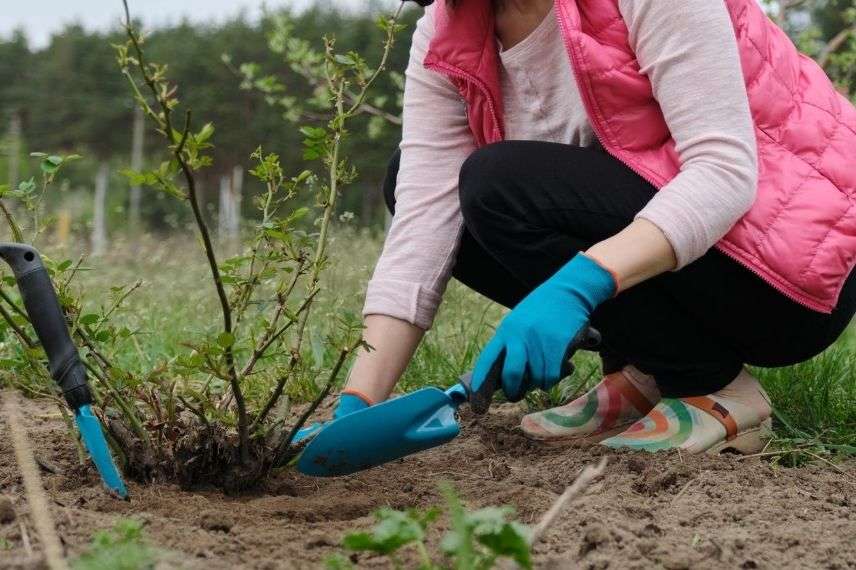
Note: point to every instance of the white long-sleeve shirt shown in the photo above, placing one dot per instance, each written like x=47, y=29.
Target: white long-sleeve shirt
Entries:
x=688, y=50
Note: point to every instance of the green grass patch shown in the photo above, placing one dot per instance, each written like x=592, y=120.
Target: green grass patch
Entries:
x=121, y=548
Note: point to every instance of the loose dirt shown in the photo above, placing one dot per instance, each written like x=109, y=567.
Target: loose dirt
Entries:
x=649, y=511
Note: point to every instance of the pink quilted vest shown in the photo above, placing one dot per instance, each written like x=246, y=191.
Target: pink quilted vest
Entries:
x=800, y=235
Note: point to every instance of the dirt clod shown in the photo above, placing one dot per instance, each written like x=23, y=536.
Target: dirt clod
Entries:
x=216, y=522
x=595, y=536
x=7, y=510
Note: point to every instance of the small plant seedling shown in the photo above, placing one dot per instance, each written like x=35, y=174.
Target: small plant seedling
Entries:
x=476, y=540
x=121, y=548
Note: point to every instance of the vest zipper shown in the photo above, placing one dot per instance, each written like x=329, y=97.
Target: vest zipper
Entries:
x=586, y=96
x=449, y=70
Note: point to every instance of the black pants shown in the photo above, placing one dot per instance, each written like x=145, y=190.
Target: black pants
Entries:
x=529, y=207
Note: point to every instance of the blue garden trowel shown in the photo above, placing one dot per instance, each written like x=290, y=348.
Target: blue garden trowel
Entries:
x=66, y=368
x=405, y=425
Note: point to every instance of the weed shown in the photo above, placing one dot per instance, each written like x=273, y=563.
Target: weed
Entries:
x=475, y=539
x=815, y=407
x=121, y=548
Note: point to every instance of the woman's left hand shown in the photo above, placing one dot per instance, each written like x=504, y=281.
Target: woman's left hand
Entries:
x=536, y=339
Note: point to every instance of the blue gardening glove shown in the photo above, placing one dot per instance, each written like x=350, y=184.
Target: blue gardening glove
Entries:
x=536, y=339
x=348, y=404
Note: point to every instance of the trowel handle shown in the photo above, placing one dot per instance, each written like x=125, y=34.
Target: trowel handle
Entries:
x=48, y=321
x=588, y=339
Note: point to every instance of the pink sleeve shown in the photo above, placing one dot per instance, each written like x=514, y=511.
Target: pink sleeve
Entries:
x=415, y=265
x=689, y=51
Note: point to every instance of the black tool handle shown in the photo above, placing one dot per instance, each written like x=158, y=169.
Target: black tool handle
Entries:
x=588, y=339
x=423, y=3
x=48, y=320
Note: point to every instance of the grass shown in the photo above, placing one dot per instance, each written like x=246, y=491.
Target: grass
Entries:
x=815, y=401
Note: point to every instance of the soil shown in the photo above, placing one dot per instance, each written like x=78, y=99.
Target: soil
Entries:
x=649, y=511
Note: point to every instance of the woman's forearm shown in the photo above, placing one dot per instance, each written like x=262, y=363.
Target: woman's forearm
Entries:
x=637, y=253
x=393, y=343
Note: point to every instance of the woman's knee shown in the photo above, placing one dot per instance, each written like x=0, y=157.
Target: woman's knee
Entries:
x=391, y=180
x=484, y=176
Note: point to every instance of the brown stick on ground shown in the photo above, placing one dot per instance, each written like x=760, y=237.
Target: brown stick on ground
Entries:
x=36, y=498
x=578, y=487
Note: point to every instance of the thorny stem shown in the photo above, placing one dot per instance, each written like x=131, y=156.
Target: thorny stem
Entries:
x=104, y=377
x=329, y=208
x=834, y=44
x=121, y=299
x=271, y=336
x=165, y=122
x=338, y=125
x=18, y=330
x=331, y=380
x=5, y=296
x=16, y=231
x=390, y=41
x=244, y=299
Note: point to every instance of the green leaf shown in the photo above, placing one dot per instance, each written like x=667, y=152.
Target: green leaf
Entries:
x=394, y=530
x=314, y=133
x=344, y=59
x=89, y=319
x=206, y=133
x=226, y=340
x=509, y=539
x=338, y=562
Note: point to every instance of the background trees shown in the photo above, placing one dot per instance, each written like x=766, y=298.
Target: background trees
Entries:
x=69, y=97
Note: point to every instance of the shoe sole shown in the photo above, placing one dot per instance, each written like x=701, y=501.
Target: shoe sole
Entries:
x=748, y=442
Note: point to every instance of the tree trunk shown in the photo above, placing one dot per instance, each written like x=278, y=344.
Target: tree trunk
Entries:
x=224, y=211
x=63, y=218
x=99, y=210
x=137, y=145
x=237, y=189
x=14, y=149
x=229, y=219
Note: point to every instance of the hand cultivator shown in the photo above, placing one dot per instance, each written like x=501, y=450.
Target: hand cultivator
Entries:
x=66, y=368
x=402, y=426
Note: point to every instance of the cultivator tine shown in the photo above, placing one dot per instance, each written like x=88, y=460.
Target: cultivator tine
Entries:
x=96, y=445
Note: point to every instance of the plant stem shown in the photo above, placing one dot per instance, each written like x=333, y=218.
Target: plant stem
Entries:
x=331, y=380
x=271, y=336
x=28, y=342
x=329, y=208
x=165, y=122
x=338, y=127
x=5, y=296
x=390, y=41
x=16, y=231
